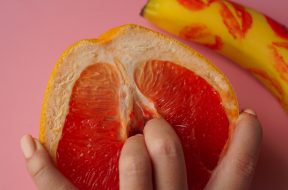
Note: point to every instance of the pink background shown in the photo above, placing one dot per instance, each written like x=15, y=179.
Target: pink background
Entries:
x=34, y=33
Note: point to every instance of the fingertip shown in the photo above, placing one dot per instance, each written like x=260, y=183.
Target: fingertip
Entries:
x=248, y=121
x=159, y=126
x=132, y=142
x=248, y=133
x=161, y=139
x=157, y=122
x=138, y=137
x=135, y=171
x=28, y=146
x=134, y=148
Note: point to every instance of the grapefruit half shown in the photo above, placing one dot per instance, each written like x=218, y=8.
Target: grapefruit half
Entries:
x=102, y=91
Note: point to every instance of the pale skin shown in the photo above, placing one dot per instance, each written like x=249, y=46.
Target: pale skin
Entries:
x=159, y=148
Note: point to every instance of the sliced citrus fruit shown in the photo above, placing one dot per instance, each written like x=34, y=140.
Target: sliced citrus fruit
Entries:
x=103, y=91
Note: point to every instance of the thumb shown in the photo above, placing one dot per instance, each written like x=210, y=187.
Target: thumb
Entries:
x=236, y=170
x=41, y=168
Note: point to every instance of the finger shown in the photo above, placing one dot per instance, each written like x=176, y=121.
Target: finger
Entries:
x=41, y=168
x=237, y=168
x=167, y=156
x=134, y=165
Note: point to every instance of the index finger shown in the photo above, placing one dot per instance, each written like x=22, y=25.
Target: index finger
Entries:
x=135, y=170
x=166, y=154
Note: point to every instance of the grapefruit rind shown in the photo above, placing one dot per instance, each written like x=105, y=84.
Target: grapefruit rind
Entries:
x=50, y=134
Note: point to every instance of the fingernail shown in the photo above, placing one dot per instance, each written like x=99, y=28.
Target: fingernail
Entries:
x=249, y=111
x=28, y=146
x=243, y=117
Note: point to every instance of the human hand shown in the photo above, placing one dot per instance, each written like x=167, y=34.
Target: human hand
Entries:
x=159, y=148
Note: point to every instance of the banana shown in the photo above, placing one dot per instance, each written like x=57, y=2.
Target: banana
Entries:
x=256, y=42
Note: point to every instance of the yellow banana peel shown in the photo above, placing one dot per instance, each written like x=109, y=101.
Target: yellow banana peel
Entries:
x=251, y=39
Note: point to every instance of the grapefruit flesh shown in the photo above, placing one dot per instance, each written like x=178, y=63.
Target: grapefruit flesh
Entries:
x=92, y=137
x=194, y=110
x=89, y=148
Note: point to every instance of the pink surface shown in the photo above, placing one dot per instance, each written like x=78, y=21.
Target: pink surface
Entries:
x=33, y=35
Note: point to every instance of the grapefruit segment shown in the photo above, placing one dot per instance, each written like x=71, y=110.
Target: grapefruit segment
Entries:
x=92, y=125
x=103, y=91
x=193, y=108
